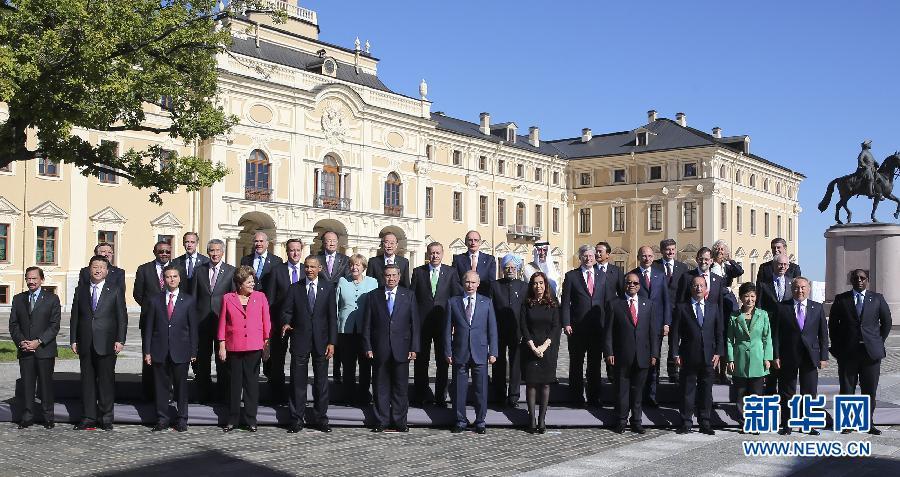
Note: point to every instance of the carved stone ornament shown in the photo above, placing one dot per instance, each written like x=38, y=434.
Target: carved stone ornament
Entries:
x=521, y=189
x=334, y=124
x=421, y=167
x=699, y=187
x=472, y=180
x=665, y=191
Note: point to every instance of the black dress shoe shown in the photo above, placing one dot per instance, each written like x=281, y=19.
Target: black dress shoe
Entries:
x=638, y=429
x=85, y=426
x=651, y=403
x=403, y=429
x=619, y=429
x=252, y=428
x=324, y=427
x=378, y=429
x=480, y=430
x=181, y=427
x=228, y=428
x=25, y=425
x=457, y=429
x=531, y=429
x=159, y=427
x=814, y=432
x=512, y=403
x=541, y=429
x=708, y=431
x=848, y=431
x=441, y=403
x=49, y=425
x=578, y=403
x=594, y=403
x=106, y=427
x=784, y=431
x=683, y=430
x=874, y=431
x=295, y=428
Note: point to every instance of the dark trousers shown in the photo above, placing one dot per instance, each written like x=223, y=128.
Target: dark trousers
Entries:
x=745, y=387
x=770, y=382
x=653, y=376
x=148, y=389
x=808, y=375
x=98, y=385
x=273, y=368
x=693, y=380
x=630, y=385
x=243, y=370
x=431, y=331
x=171, y=375
x=299, y=378
x=583, y=342
x=350, y=346
x=507, y=359
x=859, y=368
x=461, y=388
x=391, y=380
x=337, y=364
x=203, y=366
x=33, y=370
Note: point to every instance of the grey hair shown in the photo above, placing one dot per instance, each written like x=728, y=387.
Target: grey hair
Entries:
x=585, y=248
x=721, y=242
x=218, y=242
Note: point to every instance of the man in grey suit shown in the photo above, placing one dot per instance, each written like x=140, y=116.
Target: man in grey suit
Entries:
x=211, y=282
x=334, y=266
x=470, y=341
x=190, y=260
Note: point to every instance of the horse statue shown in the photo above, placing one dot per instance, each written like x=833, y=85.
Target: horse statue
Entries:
x=855, y=184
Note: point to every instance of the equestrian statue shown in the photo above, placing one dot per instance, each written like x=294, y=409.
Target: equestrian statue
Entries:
x=870, y=180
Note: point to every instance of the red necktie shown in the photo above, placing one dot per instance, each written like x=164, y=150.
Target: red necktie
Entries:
x=633, y=312
x=171, y=307
x=647, y=278
x=590, y=283
x=162, y=283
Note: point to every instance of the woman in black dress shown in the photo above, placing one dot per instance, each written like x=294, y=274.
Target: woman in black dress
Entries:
x=541, y=330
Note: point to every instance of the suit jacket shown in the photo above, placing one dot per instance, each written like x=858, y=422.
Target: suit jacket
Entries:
x=475, y=342
x=176, y=337
x=629, y=343
x=395, y=335
x=182, y=263
x=767, y=296
x=732, y=270
x=244, y=330
x=375, y=269
x=577, y=307
x=99, y=329
x=433, y=309
x=314, y=328
x=271, y=262
x=795, y=346
x=847, y=329
x=509, y=296
x=209, y=302
x=486, y=268
x=615, y=280
x=749, y=346
x=678, y=270
x=696, y=345
x=766, y=272
x=278, y=284
x=340, y=267
x=116, y=276
x=41, y=323
x=146, y=283
x=658, y=293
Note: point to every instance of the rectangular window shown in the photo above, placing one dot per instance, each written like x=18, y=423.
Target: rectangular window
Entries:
x=643, y=138
x=723, y=216
x=483, y=209
x=501, y=212
x=4, y=294
x=165, y=238
x=49, y=289
x=164, y=157
x=585, y=179
x=46, y=246
x=778, y=226
x=429, y=202
x=520, y=171
x=538, y=216
x=109, y=177
x=655, y=219
x=690, y=215
x=766, y=223
x=619, y=218
x=482, y=163
x=48, y=167
x=4, y=243
x=429, y=152
x=555, y=178
x=752, y=269
x=584, y=221
x=109, y=237
x=457, y=206
x=538, y=174
x=165, y=103
x=790, y=231
x=739, y=222
x=620, y=264
x=655, y=173
x=556, y=220
x=752, y=222
x=457, y=158
x=690, y=169
x=619, y=176
x=501, y=167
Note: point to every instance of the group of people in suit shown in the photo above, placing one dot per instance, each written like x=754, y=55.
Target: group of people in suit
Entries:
x=376, y=316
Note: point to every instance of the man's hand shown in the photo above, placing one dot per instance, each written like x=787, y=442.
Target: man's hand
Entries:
x=652, y=361
x=329, y=351
x=148, y=360
x=370, y=354
x=767, y=364
x=75, y=348
x=222, y=354
x=729, y=368
x=285, y=330
x=823, y=364
x=665, y=330
x=777, y=363
x=118, y=347
x=194, y=359
x=412, y=356
x=31, y=345
x=611, y=360
x=568, y=330
x=493, y=359
x=449, y=359
x=715, y=361
x=678, y=361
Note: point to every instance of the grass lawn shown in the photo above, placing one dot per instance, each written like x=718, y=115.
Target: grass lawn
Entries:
x=8, y=352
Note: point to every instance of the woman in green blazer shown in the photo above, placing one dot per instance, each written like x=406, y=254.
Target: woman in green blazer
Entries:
x=748, y=344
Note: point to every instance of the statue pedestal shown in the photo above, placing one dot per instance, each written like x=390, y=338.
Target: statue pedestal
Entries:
x=874, y=247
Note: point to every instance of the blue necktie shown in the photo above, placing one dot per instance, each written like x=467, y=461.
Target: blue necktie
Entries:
x=699, y=311
x=32, y=298
x=294, y=276
x=259, y=267
x=94, y=297
x=859, y=304
x=311, y=295
x=390, y=303
x=190, y=270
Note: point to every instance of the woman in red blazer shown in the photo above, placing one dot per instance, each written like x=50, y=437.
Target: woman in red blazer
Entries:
x=244, y=329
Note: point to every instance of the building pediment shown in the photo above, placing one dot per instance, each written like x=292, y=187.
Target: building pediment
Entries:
x=109, y=215
x=48, y=210
x=167, y=220
x=7, y=208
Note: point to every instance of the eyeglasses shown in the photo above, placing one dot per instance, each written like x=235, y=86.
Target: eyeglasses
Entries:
x=632, y=283
x=163, y=252
x=860, y=278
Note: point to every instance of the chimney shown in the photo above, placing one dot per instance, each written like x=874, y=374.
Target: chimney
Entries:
x=651, y=115
x=586, y=135
x=746, y=144
x=717, y=132
x=681, y=119
x=534, y=137
x=485, y=123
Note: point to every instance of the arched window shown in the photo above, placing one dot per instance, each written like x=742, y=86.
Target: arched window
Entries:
x=753, y=180
x=737, y=177
x=257, y=185
x=766, y=185
x=520, y=213
x=330, y=185
x=778, y=188
x=392, y=203
x=723, y=172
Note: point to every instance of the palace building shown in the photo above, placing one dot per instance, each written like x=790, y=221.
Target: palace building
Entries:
x=322, y=144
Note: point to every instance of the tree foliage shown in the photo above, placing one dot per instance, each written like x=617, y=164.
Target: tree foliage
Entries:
x=100, y=64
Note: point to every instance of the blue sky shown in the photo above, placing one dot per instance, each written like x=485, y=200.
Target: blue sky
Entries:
x=808, y=81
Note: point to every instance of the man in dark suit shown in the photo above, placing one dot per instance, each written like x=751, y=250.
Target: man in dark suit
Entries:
x=484, y=264
x=766, y=270
x=859, y=324
x=508, y=295
x=470, y=341
x=432, y=285
x=375, y=268
x=696, y=345
x=169, y=346
x=800, y=347
x=724, y=266
x=615, y=276
x=116, y=275
x=715, y=293
x=97, y=334
x=261, y=261
x=768, y=295
x=391, y=339
x=631, y=346
x=334, y=266
x=190, y=260
x=584, y=297
x=674, y=270
x=654, y=287
x=33, y=325
x=148, y=283
x=211, y=282
x=280, y=280
x=310, y=317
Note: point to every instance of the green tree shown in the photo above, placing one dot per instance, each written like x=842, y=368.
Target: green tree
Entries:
x=99, y=64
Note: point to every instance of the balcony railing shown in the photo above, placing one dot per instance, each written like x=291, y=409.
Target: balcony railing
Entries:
x=393, y=210
x=292, y=10
x=258, y=194
x=329, y=202
x=524, y=231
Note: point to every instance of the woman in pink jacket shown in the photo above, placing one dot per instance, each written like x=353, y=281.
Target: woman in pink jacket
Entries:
x=244, y=330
